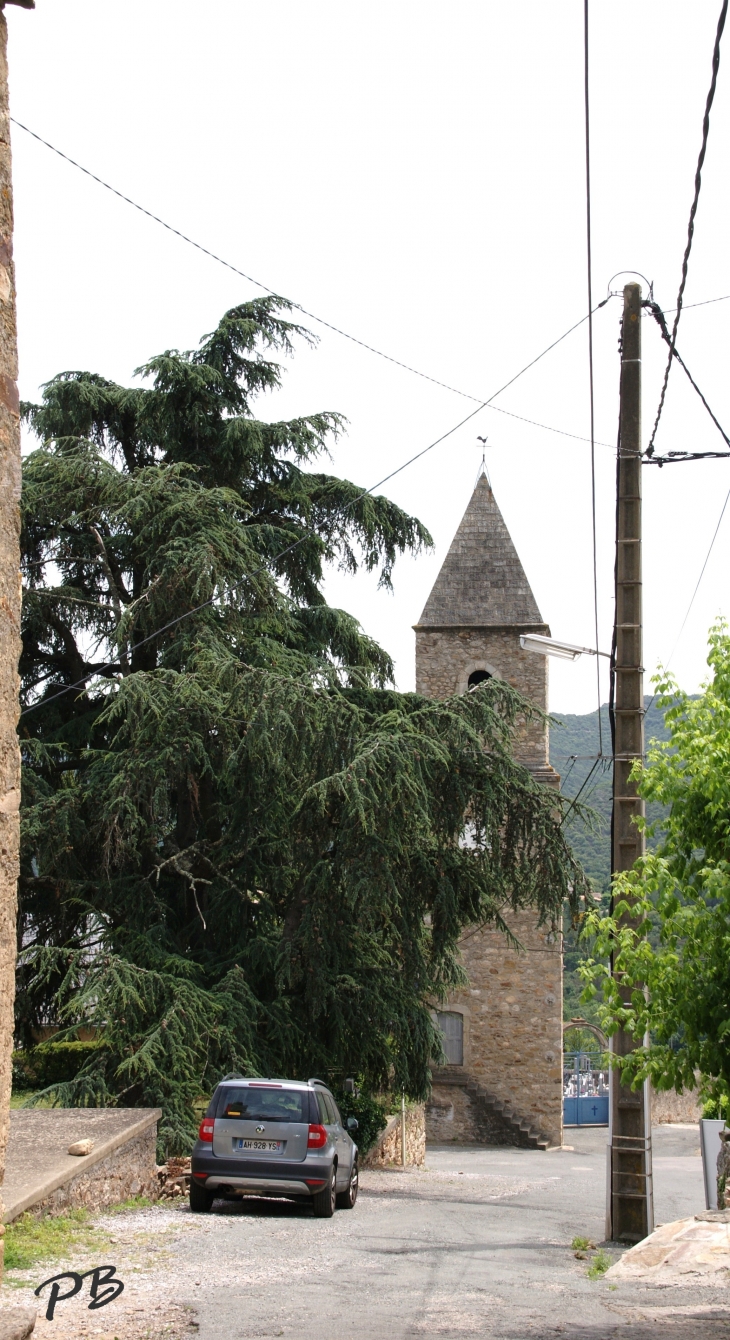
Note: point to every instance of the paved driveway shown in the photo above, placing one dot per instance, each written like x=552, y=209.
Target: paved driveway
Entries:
x=478, y=1244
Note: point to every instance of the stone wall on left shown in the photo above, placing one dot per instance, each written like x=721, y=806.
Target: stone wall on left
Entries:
x=128, y=1171
x=387, y=1152
x=43, y=1177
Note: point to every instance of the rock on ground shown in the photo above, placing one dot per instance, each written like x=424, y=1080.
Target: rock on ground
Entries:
x=17, y=1323
x=695, y=1250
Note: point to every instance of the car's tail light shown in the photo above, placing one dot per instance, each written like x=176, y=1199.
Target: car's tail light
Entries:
x=317, y=1137
x=205, y=1131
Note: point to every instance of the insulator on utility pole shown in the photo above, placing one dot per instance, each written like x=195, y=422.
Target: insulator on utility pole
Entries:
x=630, y=1199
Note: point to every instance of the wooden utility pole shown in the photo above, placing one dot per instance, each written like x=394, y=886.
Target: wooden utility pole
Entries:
x=630, y=1200
x=9, y=605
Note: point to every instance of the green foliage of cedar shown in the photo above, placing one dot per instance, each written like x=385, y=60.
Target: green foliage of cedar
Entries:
x=672, y=962
x=51, y=1063
x=240, y=846
x=370, y=1114
x=23, y=1097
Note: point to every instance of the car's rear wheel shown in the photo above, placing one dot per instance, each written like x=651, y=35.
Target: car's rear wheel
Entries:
x=201, y=1201
x=346, y=1199
x=323, y=1203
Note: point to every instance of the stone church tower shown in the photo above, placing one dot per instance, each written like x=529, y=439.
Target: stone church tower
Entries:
x=502, y=1033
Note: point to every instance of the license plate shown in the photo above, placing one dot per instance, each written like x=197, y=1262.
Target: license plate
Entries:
x=262, y=1146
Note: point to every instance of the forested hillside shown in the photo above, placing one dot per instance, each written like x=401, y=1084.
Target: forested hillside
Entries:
x=573, y=747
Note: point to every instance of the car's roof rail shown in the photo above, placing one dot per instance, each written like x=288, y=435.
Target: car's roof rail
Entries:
x=323, y=1082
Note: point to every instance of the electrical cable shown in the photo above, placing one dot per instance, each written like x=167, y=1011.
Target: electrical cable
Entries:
x=235, y=269
x=465, y=395
x=312, y=316
x=679, y=457
x=658, y=315
x=579, y=793
x=264, y=567
x=577, y=437
x=687, y=306
x=612, y=662
x=573, y=759
x=212, y=255
x=586, y=100
x=692, y=213
x=694, y=594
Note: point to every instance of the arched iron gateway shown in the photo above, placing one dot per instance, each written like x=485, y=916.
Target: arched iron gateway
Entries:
x=585, y=1077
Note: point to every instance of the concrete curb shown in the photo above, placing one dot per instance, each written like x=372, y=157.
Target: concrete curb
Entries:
x=72, y=1166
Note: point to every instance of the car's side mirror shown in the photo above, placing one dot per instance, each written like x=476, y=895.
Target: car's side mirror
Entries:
x=352, y=1123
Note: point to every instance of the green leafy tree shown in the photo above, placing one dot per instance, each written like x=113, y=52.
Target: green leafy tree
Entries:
x=241, y=848
x=672, y=956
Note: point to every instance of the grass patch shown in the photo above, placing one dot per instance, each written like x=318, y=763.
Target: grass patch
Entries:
x=28, y=1239
x=21, y=1096
x=581, y=1244
x=133, y=1203
x=599, y=1265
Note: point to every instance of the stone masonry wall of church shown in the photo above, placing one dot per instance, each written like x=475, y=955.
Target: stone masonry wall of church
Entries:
x=446, y=657
x=513, y=1030
x=512, y=1008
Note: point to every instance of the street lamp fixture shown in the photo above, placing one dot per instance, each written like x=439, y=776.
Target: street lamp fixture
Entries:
x=550, y=646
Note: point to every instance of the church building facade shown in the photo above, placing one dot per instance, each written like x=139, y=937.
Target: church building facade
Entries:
x=503, y=1032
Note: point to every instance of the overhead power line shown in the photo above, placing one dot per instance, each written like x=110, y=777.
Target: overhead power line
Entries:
x=674, y=456
x=586, y=100
x=692, y=213
x=229, y=266
x=205, y=604
x=699, y=580
x=694, y=594
x=687, y=306
x=354, y=339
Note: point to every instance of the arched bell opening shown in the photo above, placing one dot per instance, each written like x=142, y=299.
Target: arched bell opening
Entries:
x=476, y=677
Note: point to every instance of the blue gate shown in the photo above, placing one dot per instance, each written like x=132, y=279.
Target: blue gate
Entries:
x=585, y=1090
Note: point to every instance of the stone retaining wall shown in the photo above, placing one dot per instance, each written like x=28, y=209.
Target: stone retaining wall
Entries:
x=128, y=1171
x=387, y=1150
x=668, y=1106
x=452, y=1117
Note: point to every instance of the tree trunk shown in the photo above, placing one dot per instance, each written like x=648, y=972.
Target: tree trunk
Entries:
x=9, y=611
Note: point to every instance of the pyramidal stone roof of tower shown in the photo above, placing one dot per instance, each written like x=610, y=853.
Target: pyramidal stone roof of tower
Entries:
x=482, y=582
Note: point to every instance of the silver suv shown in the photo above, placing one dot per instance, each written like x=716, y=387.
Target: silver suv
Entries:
x=275, y=1137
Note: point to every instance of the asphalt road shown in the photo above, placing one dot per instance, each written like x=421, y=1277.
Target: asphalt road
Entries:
x=476, y=1245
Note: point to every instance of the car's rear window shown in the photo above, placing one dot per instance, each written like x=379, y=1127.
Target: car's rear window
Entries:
x=254, y=1104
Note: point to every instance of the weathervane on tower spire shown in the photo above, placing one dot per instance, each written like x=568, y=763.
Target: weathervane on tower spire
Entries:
x=484, y=442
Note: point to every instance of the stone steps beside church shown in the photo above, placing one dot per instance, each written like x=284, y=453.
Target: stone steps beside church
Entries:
x=527, y=1135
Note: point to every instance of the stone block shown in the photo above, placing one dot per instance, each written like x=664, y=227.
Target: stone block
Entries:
x=17, y=1323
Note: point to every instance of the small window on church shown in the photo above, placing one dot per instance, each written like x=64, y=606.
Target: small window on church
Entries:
x=477, y=677
x=452, y=1036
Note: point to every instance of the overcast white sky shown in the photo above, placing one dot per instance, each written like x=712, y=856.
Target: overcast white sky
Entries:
x=414, y=173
